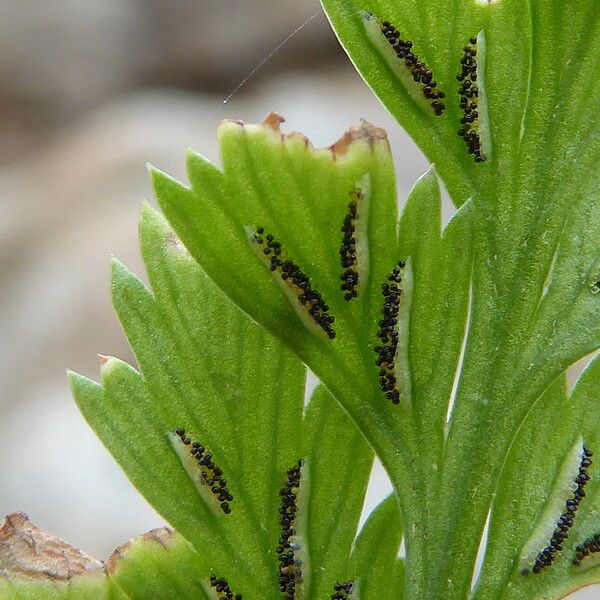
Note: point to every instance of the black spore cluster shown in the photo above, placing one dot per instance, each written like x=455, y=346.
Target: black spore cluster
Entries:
x=388, y=334
x=421, y=74
x=223, y=590
x=348, y=257
x=290, y=565
x=342, y=590
x=468, y=92
x=548, y=555
x=296, y=280
x=210, y=474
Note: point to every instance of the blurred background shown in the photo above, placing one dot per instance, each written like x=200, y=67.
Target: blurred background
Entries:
x=91, y=90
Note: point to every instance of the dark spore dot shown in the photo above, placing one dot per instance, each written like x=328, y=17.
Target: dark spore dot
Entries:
x=222, y=589
x=342, y=591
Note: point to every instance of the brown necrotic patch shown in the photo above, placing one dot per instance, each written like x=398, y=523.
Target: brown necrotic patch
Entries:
x=31, y=553
x=342, y=590
x=565, y=522
x=348, y=253
x=221, y=587
x=290, y=565
x=388, y=334
x=210, y=475
x=468, y=92
x=295, y=282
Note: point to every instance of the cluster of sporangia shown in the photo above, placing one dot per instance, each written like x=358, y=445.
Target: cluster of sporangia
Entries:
x=210, y=474
x=419, y=71
x=348, y=255
x=469, y=93
x=590, y=546
x=223, y=590
x=388, y=334
x=297, y=281
x=317, y=309
x=548, y=555
x=290, y=567
x=342, y=590
x=423, y=77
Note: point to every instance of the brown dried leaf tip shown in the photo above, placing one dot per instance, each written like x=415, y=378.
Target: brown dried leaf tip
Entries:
x=362, y=131
x=29, y=552
x=162, y=536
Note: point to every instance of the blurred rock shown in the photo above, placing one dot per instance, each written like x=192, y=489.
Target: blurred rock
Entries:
x=71, y=55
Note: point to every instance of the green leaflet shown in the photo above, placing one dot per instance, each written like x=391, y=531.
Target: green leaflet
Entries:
x=535, y=225
x=376, y=568
x=332, y=524
x=158, y=564
x=282, y=185
x=83, y=587
x=528, y=485
x=508, y=284
x=206, y=368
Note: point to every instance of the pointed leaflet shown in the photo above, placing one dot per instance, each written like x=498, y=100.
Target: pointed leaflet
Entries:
x=279, y=185
x=530, y=483
x=333, y=524
x=538, y=71
x=537, y=79
x=375, y=566
x=158, y=564
x=526, y=487
x=207, y=369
